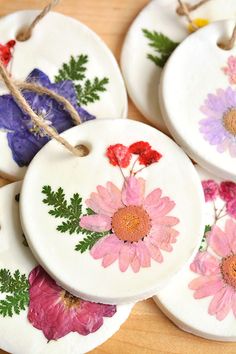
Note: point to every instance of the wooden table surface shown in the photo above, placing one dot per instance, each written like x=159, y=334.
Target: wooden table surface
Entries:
x=147, y=331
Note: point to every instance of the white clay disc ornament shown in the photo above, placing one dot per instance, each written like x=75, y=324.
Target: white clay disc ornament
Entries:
x=151, y=39
x=201, y=299
x=36, y=315
x=115, y=225
x=67, y=57
x=199, y=104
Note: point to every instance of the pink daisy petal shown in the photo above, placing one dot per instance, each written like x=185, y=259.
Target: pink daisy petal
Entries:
x=98, y=206
x=143, y=253
x=218, y=241
x=163, y=207
x=166, y=220
x=206, y=264
x=221, y=303
x=106, y=245
x=126, y=256
x=234, y=304
x=230, y=232
x=108, y=259
x=152, y=199
x=155, y=252
x=209, y=288
x=96, y=222
x=133, y=191
x=135, y=264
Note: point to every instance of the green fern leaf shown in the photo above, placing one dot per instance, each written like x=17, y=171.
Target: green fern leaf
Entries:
x=88, y=242
x=16, y=288
x=74, y=70
x=87, y=91
x=162, y=45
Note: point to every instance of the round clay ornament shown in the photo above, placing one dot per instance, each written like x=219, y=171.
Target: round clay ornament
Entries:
x=199, y=105
x=153, y=36
x=204, y=300
x=66, y=324
x=114, y=213
x=70, y=60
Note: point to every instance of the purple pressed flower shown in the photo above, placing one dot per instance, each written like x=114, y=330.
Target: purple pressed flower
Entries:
x=219, y=126
x=25, y=139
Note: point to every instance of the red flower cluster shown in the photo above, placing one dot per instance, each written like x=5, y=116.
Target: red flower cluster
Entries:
x=120, y=155
x=6, y=52
x=227, y=192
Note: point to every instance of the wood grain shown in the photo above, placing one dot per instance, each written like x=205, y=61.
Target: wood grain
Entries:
x=147, y=331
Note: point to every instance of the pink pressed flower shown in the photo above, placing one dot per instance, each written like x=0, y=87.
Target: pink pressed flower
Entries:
x=230, y=69
x=231, y=208
x=57, y=313
x=211, y=190
x=227, y=191
x=217, y=274
x=139, y=226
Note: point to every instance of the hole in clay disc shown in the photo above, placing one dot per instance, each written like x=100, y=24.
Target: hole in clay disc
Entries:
x=83, y=149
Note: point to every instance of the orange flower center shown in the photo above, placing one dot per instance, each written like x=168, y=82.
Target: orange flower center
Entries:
x=228, y=270
x=131, y=223
x=69, y=300
x=230, y=121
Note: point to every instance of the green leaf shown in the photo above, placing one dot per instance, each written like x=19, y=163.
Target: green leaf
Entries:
x=90, y=92
x=162, y=45
x=16, y=288
x=88, y=242
x=74, y=70
x=204, y=245
x=71, y=213
x=87, y=90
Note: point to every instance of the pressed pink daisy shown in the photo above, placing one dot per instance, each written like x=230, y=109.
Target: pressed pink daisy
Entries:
x=217, y=273
x=230, y=69
x=57, y=313
x=138, y=227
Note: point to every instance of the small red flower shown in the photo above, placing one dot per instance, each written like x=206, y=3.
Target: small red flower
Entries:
x=118, y=155
x=210, y=189
x=139, y=148
x=227, y=190
x=149, y=157
x=6, y=52
x=231, y=208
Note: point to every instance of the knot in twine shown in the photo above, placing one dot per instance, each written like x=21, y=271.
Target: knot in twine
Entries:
x=185, y=8
x=14, y=88
x=26, y=33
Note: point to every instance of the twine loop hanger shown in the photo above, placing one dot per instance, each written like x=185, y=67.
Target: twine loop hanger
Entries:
x=26, y=33
x=14, y=88
x=184, y=9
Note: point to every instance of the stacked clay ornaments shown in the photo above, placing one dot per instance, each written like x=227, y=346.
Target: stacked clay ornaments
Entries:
x=66, y=57
x=154, y=35
x=37, y=315
x=202, y=297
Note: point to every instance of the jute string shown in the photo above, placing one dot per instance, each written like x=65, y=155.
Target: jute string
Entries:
x=229, y=44
x=184, y=9
x=26, y=33
x=181, y=11
x=14, y=88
